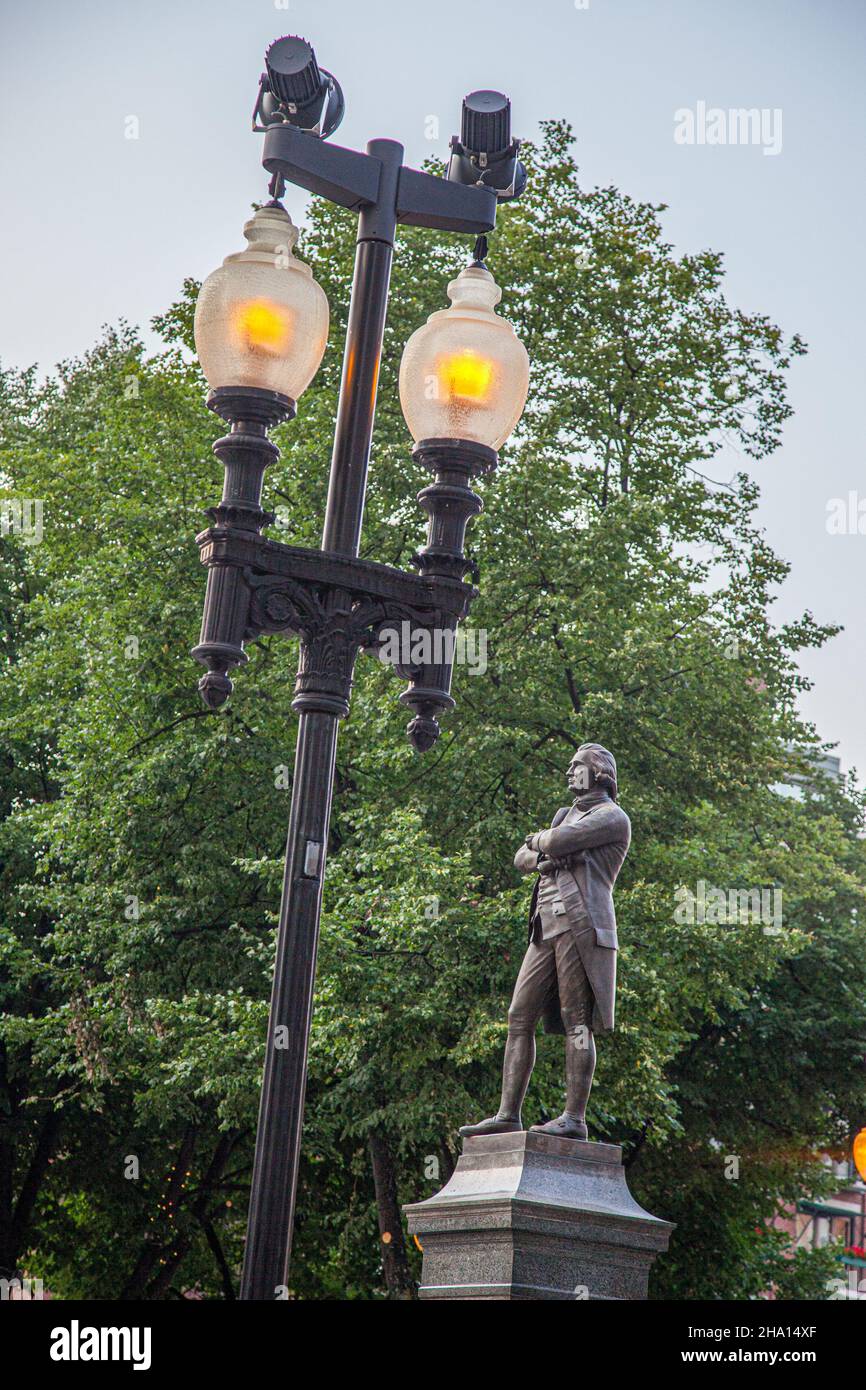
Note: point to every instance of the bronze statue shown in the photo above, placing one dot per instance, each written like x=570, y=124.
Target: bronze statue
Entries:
x=568, y=975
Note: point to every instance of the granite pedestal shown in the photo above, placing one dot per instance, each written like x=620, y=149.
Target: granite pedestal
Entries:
x=528, y=1216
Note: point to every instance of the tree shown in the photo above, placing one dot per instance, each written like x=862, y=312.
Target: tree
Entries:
x=625, y=597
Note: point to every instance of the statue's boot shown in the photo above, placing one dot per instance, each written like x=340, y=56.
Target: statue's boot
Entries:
x=579, y=1070
x=516, y=1070
x=492, y=1126
x=565, y=1126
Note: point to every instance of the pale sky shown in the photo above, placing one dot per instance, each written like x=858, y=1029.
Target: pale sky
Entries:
x=99, y=227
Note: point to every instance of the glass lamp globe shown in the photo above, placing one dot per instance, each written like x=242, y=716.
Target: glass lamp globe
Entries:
x=261, y=320
x=465, y=372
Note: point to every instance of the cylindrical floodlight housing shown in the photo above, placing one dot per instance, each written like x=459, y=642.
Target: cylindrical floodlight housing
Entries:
x=293, y=72
x=486, y=124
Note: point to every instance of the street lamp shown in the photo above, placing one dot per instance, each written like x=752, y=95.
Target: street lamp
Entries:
x=465, y=373
x=261, y=320
x=464, y=376
x=261, y=325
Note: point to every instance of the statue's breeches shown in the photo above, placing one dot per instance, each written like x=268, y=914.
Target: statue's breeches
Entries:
x=552, y=979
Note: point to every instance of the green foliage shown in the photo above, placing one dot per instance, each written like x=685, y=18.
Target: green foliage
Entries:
x=625, y=598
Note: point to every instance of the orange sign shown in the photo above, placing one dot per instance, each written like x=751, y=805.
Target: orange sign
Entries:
x=860, y=1153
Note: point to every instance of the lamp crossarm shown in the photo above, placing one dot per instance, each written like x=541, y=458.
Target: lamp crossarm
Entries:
x=338, y=605
x=276, y=559
x=355, y=180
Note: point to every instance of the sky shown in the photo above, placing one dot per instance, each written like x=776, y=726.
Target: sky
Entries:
x=99, y=226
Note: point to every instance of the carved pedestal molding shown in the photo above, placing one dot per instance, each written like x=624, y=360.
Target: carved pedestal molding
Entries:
x=530, y=1216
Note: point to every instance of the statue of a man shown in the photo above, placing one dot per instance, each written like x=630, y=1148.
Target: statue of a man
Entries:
x=568, y=975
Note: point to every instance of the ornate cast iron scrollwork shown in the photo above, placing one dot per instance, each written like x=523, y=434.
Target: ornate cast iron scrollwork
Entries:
x=338, y=605
x=335, y=623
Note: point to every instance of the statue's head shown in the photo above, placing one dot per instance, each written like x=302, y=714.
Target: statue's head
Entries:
x=593, y=766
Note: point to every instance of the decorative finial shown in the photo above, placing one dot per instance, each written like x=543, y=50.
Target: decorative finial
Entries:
x=479, y=253
x=277, y=187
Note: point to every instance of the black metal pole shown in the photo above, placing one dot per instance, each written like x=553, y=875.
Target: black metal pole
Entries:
x=321, y=704
x=362, y=357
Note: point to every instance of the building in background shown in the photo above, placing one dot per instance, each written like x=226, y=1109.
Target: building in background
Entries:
x=840, y=1218
x=837, y=1219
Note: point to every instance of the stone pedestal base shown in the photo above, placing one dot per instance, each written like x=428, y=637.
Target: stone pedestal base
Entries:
x=531, y=1216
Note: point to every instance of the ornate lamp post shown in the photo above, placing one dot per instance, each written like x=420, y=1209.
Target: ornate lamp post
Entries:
x=261, y=326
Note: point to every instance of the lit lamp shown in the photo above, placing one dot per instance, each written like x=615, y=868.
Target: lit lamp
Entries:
x=261, y=320
x=465, y=373
x=464, y=378
x=261, y=326
x=859, y=1153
